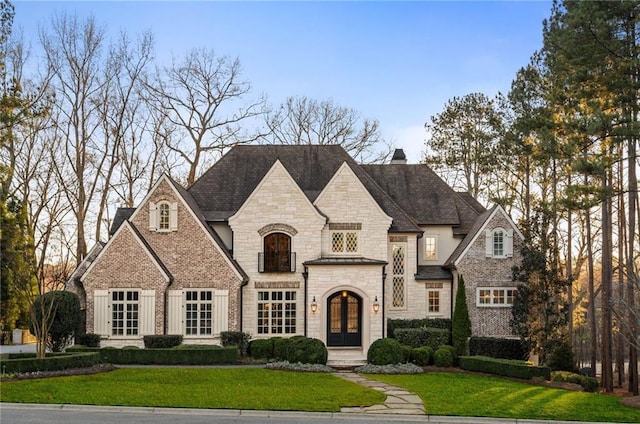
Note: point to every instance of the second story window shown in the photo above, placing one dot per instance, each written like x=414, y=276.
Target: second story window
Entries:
x=344, y=242
x=430, y=246
x=277, y=255
x=498, y=243
x=163, y=216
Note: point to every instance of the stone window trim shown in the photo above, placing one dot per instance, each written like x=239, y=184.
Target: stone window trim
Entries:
x=277, y=228
x=499, y=243
x=163, y=216
x=496, y=297
x=431, y=247
x=343, y=226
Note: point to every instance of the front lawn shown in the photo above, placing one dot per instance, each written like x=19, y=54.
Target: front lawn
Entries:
x=484, y=396
x=236, y=388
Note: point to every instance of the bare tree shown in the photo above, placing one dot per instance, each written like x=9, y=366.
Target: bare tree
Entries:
x=301, y=120
x=204, y=97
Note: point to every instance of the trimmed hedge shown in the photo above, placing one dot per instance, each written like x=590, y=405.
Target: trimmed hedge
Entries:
x=443, y=357
x=423, y=336
x=22, y=363
x=421, y=356
x=385, y=352
x=393, y=324
x=503, y=367
x=589, y=384
x=88, y=339
x=235, y=338
x=307, y=351
x=182, y=356
x=498, y=348
x=261, y=348
x=162, y=341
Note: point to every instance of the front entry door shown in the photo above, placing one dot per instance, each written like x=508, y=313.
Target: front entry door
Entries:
x=344, y=319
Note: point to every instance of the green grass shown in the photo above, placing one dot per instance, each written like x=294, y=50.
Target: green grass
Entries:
x=238, y=388
x=483, y=396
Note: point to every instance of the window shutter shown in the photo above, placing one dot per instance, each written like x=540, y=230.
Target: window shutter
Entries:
x=220, y=311
x=147, y=312
x=508, y=247
x=489, y=243
x=101, y=312
x=153, y=216
x=175, y=313
x=173, y=216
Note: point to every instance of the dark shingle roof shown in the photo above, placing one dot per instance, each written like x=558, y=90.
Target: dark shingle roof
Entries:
x=122, y=214
x=423, y=195
x=479, y=222
x=345, y=261
x=433, y=272
x=223, y=189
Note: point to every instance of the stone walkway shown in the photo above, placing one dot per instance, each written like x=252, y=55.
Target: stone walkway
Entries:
x=398, y=401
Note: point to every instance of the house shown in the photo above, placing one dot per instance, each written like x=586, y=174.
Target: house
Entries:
x=299, y=240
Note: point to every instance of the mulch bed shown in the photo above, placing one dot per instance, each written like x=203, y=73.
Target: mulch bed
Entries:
x=61, y=373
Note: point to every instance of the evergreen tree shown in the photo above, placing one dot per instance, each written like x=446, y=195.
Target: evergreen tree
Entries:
x=461, y=322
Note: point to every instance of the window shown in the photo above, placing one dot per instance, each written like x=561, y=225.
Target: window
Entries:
x=277, y=256
x=276, y=312
x=496, y=296
x=499, y=243
x=430, y=245
x=163, y=216
x=398, y=252
x=433, y=301
x=344, y=242
x=199, y=312
x=124, y=313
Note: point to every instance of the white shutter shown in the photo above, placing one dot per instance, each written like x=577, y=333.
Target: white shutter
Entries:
x=489, y=243
x=173, y=216
x=153, y=216
x=175, y=313
x=508, y=247
x=101, y=312
x=220, y=311
x=147, y=314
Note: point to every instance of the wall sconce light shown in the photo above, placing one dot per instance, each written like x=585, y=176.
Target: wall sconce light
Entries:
x=376, y=305
x=314, y=305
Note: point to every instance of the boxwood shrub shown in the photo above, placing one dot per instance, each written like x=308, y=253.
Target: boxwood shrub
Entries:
x=88, y=339
x=589, y=384
x=385, y=352
x=504, y=367
x=280, y=345
x=498, y=348
x=421, y=355
x=52, y=362
x=162, y=341
x=443, y=357
x=422, y=336
x=261, y=348
x=306, y=350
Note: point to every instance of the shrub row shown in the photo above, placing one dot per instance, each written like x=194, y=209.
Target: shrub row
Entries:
x=88, y=339
x=235, y=338
x=162, y=341
x=498, y=348
x=423, y=336
x=52, y=362
x=184, y=356
x=589, y=384
x=503, y=367
x=393, y=324
x=295, y=349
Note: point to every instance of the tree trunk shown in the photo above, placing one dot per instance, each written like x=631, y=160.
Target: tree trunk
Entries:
x=606, y=285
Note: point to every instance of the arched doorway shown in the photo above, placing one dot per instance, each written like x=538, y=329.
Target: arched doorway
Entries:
x=344, y=319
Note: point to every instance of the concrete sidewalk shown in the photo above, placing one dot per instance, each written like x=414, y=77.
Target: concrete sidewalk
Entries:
x=21, y=348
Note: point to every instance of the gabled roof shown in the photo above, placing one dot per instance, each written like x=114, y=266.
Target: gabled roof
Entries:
x=423, y=195
x=86, y=262
x=222, y=190
x=122, y=214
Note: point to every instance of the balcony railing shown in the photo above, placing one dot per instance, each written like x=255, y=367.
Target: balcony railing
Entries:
x=277, y=262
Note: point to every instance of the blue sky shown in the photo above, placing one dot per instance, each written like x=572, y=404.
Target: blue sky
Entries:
x=398, y=62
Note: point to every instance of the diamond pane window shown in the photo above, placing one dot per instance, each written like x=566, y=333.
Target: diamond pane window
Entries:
x=399, y=278
x=337, y=242
x=352, y=242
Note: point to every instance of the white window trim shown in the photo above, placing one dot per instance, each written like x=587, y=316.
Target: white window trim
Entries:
x=270, y=317
x=439, y=312
x=507, y=243
x=492, y=297
x=154, y=216
x=435, y=247
x=177, y=312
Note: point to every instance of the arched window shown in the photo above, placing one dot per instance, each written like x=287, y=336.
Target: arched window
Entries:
x=277, y=256
x=498, y=242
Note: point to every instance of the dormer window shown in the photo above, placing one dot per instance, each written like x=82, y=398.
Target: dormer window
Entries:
x=430, y=248
x=499, y=243
x=344, y=237
x=163, y=216
x=277, y=255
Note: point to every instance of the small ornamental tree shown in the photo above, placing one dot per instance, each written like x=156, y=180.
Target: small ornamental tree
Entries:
x=66, y=317
x=461, y=322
